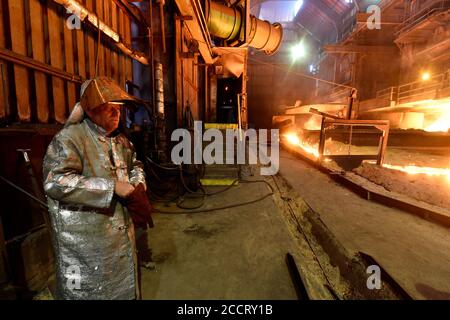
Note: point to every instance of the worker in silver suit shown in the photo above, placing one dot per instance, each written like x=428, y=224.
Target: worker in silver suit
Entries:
x=88, y=168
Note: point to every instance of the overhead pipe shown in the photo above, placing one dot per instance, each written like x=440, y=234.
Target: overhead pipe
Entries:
x=229, y=24
x=84, y=14
x=161, y=21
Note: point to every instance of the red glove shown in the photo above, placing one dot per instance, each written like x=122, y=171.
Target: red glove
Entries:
x=140, y=207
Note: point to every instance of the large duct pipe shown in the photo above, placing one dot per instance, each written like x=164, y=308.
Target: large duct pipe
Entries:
x=229, y=24
x=265, y=36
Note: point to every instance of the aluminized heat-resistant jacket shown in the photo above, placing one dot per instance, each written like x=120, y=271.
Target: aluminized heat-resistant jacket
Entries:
x=92, y=232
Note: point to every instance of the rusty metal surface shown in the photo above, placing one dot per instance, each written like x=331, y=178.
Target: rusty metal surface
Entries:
x=382, y=125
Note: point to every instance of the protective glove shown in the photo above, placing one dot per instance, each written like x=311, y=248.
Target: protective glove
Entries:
x=140, y=207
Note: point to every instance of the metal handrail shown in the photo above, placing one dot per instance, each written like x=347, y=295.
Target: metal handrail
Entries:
x=416, y=88
x=385, y=3
x=388, y=93
x=413, y=89
x=335, y=94
x=420, y=15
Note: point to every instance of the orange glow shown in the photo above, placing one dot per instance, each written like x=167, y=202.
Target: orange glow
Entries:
x=314, y=123
x=440, y=125
x=294, y=140
x=426, y=76
x=420, y=170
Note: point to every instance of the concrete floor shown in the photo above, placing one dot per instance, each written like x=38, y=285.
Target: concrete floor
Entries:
x=235, y=253
x=240, y=253
x=415, y=252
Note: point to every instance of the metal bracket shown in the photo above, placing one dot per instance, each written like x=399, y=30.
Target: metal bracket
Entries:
x=382, y=125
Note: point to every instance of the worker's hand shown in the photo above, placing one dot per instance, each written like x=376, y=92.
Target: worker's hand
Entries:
x=123, y=189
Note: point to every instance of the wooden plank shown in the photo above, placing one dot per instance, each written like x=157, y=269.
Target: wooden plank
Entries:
x=178, y=71
x=122, y=66
x=129, y=69
x=3, y=77
x=37, y=10
x=91, y=41
x=70, y=67
x=114, y=56
x=101, y=48
x=55, y=22
x=19, y=45
x=81, y=57
x=107, y=20
x=115, y=66
x=129, y=64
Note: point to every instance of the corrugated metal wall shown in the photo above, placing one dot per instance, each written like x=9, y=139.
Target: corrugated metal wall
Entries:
x=37, y=30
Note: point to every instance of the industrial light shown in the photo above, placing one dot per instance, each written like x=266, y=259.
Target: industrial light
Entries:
x=426, y=76
x=298, y=51
x=312, y=69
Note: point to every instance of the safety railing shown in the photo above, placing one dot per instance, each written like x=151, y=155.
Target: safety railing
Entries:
x=428, y=9
x=337, y=95
x=424, y=89
x=386, y=3
x=417, y=90
x=388, y=94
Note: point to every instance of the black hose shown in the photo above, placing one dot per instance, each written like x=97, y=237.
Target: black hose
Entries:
x=225, y=207
x=192, y=194
x=173, y=168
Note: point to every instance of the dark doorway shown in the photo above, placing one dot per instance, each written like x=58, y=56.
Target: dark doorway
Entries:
x=227, y=100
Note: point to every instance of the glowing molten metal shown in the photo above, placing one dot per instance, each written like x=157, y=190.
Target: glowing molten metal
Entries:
x=420, y=170
x=294, y=140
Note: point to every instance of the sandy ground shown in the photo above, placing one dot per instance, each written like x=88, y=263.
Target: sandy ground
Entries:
x=414, y=251
x=396, y=156
x=433, y=189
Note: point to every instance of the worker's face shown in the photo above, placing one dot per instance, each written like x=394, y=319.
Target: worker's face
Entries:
x=106, y=116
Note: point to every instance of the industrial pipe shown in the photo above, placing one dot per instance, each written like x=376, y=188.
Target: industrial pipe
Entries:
x=161, y=21
x=159, y=77
x=265, y=36
x=229, y=24
x=224, y=22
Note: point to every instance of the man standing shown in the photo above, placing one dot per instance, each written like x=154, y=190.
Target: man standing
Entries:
x=90, y=169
